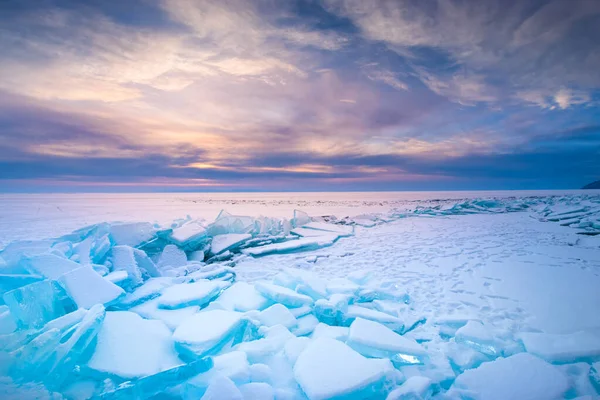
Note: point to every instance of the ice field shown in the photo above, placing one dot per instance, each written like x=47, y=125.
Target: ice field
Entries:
x=301, y=296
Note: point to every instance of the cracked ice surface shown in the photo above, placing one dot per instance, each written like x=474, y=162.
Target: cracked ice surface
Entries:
x=469, y=298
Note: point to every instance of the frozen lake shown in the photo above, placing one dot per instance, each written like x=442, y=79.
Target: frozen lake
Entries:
x=38, y=216
x=443, y=295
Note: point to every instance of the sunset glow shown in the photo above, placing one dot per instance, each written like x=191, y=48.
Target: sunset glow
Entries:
x=299, y=95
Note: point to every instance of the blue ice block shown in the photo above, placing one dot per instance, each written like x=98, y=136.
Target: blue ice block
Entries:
x=35, y=304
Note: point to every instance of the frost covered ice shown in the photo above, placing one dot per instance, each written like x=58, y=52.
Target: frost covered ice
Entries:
x=368, y=307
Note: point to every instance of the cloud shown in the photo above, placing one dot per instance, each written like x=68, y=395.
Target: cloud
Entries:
x=268, y=94
x=566, y=98
x=387, y=77
x=460, y=88
x=486, y=51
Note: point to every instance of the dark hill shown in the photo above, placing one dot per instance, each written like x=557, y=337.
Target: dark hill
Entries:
x=593, y=185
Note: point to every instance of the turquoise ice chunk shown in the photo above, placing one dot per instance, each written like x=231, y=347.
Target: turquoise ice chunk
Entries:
x=100, y=249
x=372, y=339
x=206, y=332
x=227, y=223
x=35, y=304
x=300, y=218
x=53, y=354
x=14, y=253
x=123, y=259
x=479, y=337
x=87, y=288
x=145, y=263
x=331, y=311
x=594, y=376
x=329, y=369
x=67, y=355
x=13, y=281
x=50, y=266
x=158, y=383
x=132, y=234
x=7, y=322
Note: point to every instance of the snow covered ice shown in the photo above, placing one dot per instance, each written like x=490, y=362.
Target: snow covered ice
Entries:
x=472, y=298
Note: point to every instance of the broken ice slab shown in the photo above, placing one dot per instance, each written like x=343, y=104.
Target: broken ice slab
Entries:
x=364, y=222
x=227, y=242
x=260, y=373
x=52, y=353
x=50, y=266
x=303, y=281
x=331, y=311
x=300, y=311
x=67, y=355
x=277, y=314
x=7, y=322
x=341, y=230
x=463, y=357
x=198, y=293
x=100, y=249
x=342, y=286
x=294, y=347
x=479, y=337
x=302, y=244
x=87, y=288
x=257, y=390
x=449, y=324
x=17, y=339
x=306, y=325
x=360, y=277
x=151, y=289
x=81, y=251
x=222, y=388
x=132, y=347
x=210, y=272
x=132, y=234
x=13, y=281
x=242, y=296
x=333, y=332
x=373, y=339
x=206, y=332
x=563, y=348
x=415, y=387
x=123, y=259
x=171, y=257
x=172, y=318
x=152, y=385
x=353, y=312
x=119, y=278
x=145, y=263
x=521, y=376
x=394, y=295
x=227, y=223
x=283, y=295
x=263, y=349
x=329, y=369
x=306, y=232
x=189, y=236
x=63, y=249
x=37, y=303
x=14, y=252
x=300, y=218
x=233, y=365
x=594, y=376
x=28, y=360
x=226, y=255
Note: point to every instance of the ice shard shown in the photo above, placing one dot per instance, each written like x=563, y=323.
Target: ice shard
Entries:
x=37, y=303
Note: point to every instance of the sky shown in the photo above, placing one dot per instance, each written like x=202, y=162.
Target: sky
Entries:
x=286, y=95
